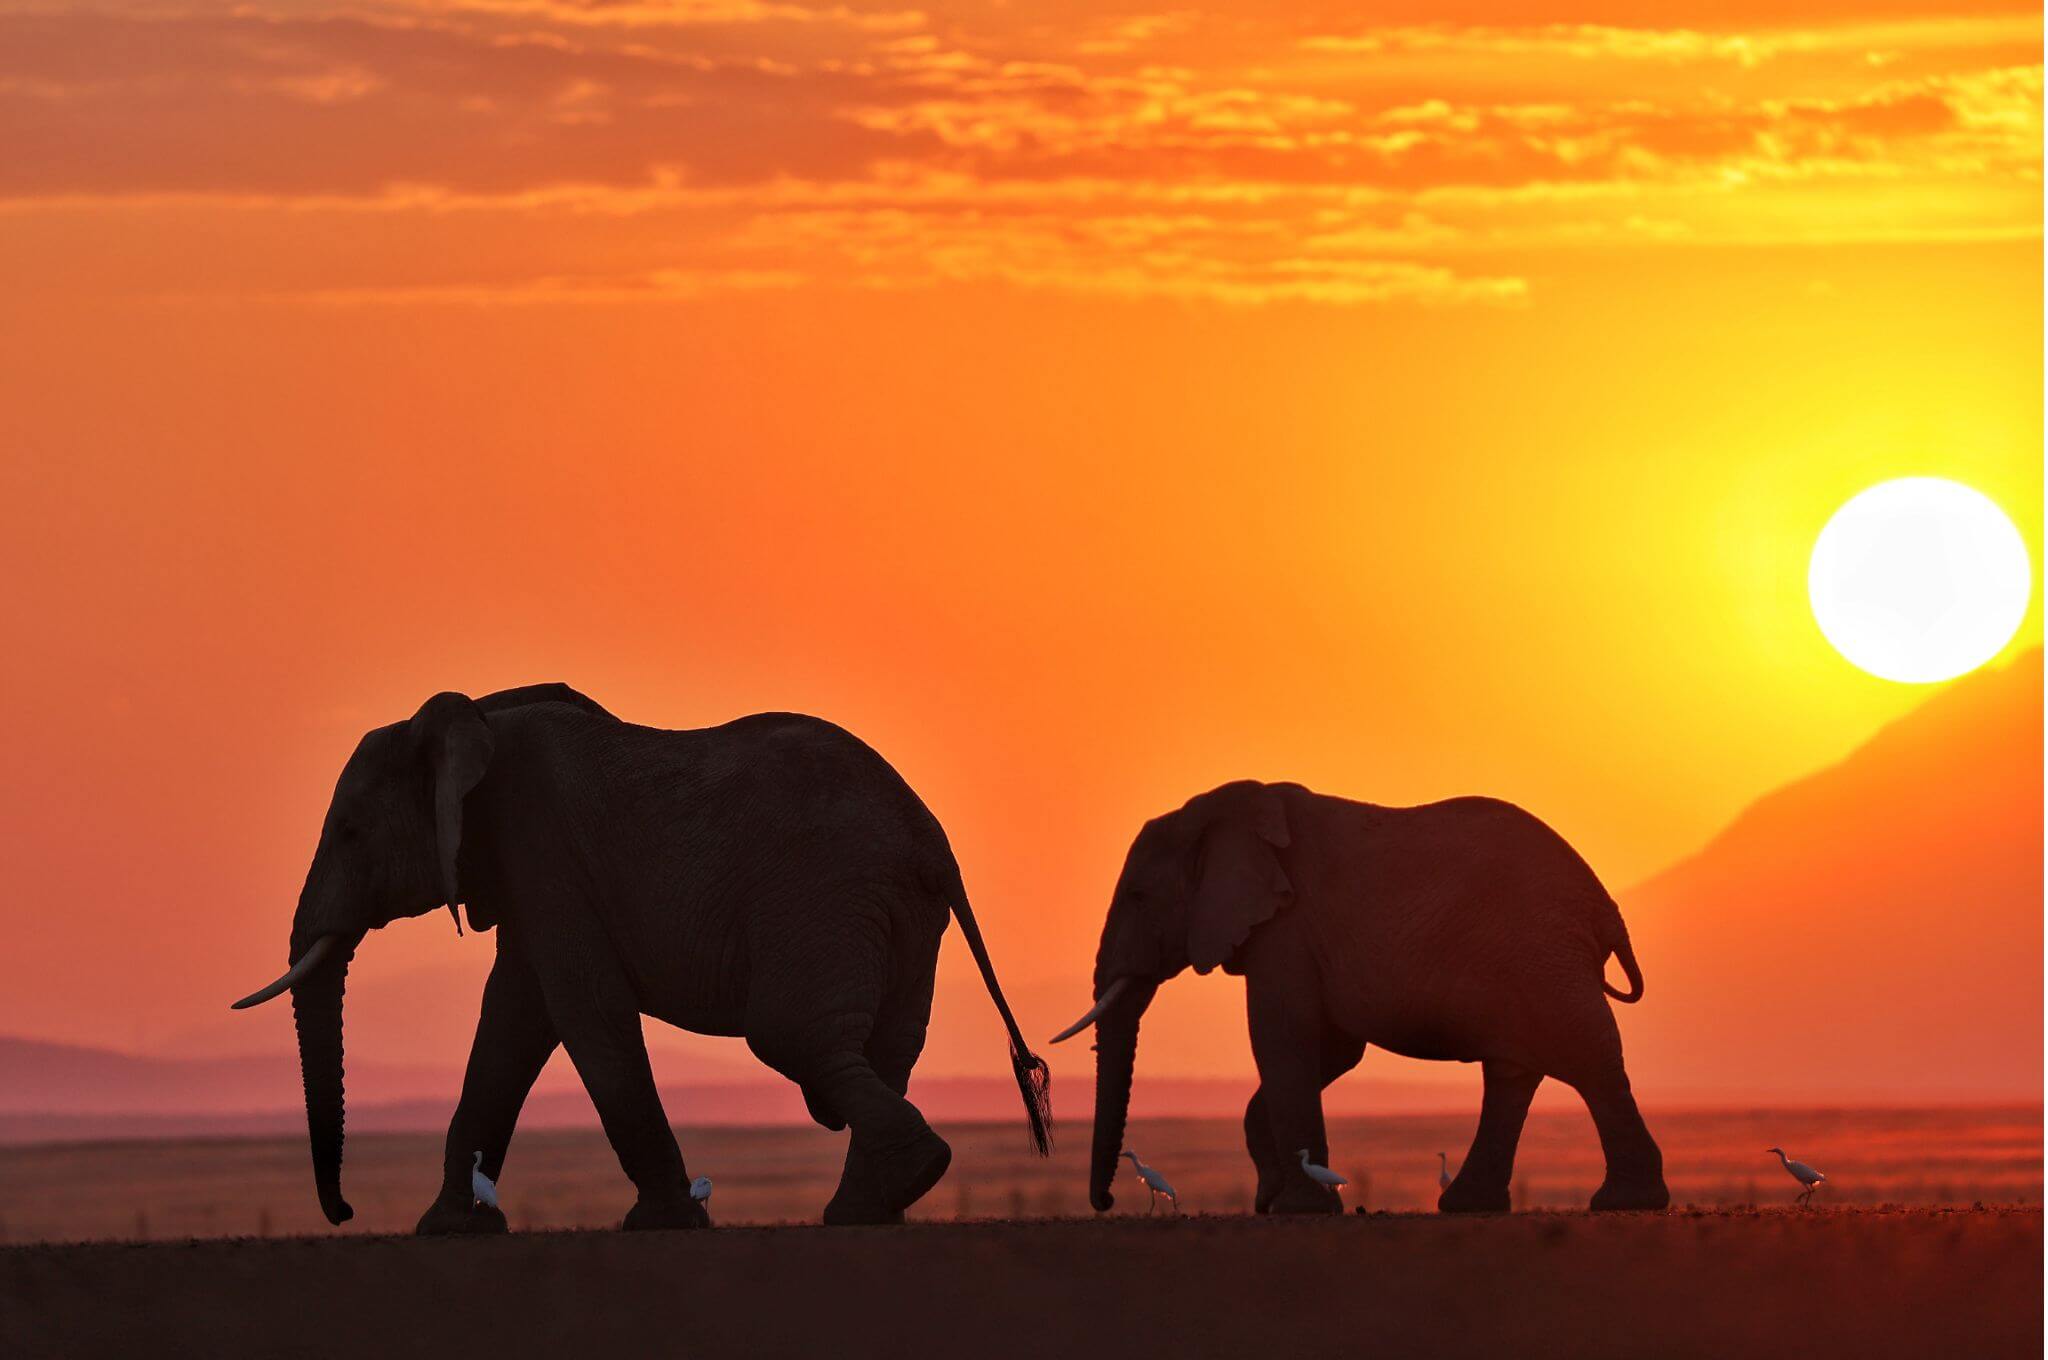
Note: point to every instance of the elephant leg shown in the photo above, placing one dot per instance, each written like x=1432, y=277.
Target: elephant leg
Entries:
x=1482, y=1183
x=598, y=1018
x=1258, y=1141
x=892, y=1050
x=610, y=1054
x=812, y=1019
x=1289, y=1043
x=514, y=1039
x=893, y=1157
x=1340, y=1055
x=1635, y=1165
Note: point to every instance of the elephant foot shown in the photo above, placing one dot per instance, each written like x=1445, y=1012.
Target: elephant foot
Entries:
x=1272, y=1180
x=1470, y=1197
x=1306, y=1197
x=455, y=1219
x=1619, y=1194
x=882, y=1180
x=654, y=1213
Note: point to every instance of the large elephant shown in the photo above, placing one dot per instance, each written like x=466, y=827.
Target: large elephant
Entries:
x=772, y=878
x=1464, y=930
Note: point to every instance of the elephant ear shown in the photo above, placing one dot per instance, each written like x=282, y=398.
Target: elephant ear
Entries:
x=454, y=742
x=1240, y=883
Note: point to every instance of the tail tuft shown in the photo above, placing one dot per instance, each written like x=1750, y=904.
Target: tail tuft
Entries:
x=1034, y=1082
x=1034, y=1079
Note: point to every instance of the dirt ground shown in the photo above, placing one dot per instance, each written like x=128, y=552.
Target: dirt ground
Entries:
x=1849, y=1282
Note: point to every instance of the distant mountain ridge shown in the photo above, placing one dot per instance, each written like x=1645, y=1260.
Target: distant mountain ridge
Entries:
x=66, y=1093
x=38, y=1076
x=1910, y=871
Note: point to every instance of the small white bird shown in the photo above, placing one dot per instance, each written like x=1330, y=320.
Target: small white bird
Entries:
x=700, y=1189
x=1443, y=1172
x=1154, y=1182
x=1321, y=1175
x=1799, y=1171
x=483, y=1187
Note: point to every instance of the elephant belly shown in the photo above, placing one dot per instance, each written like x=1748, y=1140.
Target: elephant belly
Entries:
x=699, y=986
x=693, y=982
x=727, y=1023
x=1432, y=1047
x=1430, y=1039
x=1440, y=1025
x=1469, y=1001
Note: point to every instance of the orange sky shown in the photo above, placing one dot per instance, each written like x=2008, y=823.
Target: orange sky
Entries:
x=1083, y=407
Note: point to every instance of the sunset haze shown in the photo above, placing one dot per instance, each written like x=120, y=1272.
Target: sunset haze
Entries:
x=1083, y=407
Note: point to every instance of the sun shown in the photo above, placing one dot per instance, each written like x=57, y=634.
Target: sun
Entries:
x=1919, y=579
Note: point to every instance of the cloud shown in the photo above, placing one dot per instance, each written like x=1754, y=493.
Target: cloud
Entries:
x=670, y=14
x=1608, y=42
x=248, y=103
x=652, y=286
x=1186, y=256
x=1579, y=41
x=1127, y=34
x=353, y=104
x=714, y=146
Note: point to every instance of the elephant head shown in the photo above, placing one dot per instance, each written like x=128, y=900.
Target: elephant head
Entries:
x=388, y=849
x=1194, y=886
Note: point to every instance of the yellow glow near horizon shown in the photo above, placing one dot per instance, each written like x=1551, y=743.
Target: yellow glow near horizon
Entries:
x=1919, y=580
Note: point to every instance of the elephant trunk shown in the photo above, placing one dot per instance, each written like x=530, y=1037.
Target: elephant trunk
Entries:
x=316, y=1008
x=1116, y=1052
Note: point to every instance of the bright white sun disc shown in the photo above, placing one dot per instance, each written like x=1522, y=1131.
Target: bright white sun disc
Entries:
x=1919, y=580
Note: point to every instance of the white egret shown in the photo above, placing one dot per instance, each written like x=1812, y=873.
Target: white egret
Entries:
x=1807, y=1177
x=1443, y=1172
x=700, y=1189
x=1154, y=1182
x=1321, y=1175
x=483, y=1187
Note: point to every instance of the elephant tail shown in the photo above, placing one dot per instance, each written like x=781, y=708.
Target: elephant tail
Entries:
x=1034, y=1078
x=1623, y=951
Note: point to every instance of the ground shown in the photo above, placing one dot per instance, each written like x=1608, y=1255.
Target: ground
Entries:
x=1851, y=1282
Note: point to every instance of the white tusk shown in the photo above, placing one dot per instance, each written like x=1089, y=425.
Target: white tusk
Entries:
x=308, y=961
x=1109, y=994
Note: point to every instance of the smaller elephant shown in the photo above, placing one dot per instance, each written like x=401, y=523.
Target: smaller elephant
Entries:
x=1464, y=930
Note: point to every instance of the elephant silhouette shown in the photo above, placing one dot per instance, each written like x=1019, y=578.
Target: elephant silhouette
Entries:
x=771, y=878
